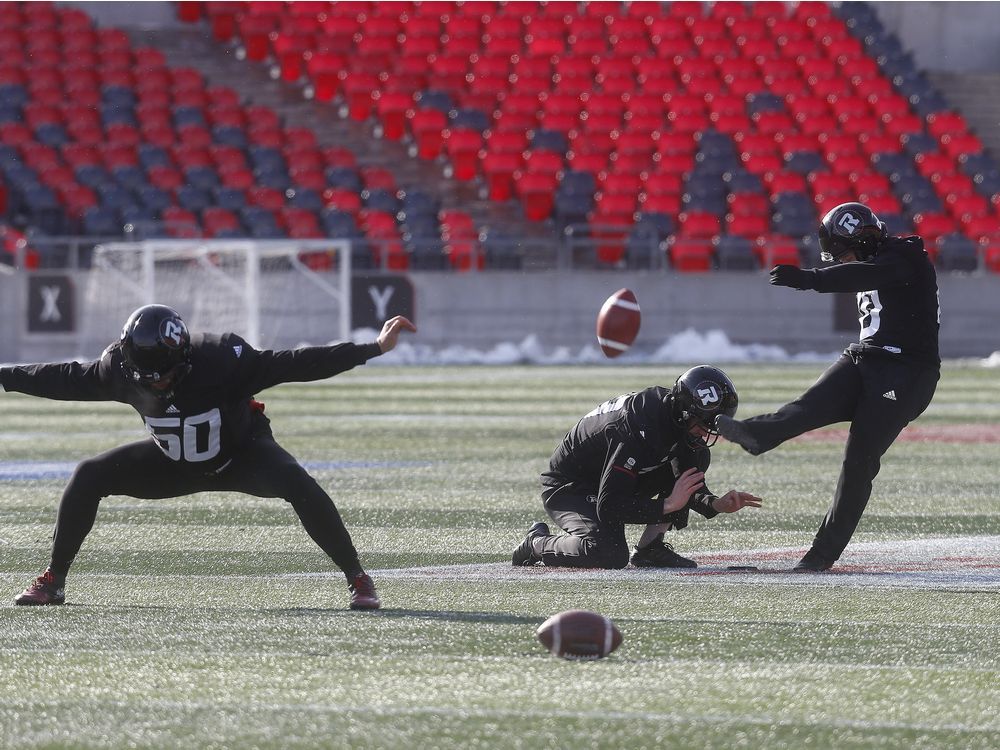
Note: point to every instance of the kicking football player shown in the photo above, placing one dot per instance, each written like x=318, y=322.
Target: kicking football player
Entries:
x=196, y=397
x=878, y=385
x=639, y=458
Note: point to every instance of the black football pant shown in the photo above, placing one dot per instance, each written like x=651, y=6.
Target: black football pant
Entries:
x=879, y=396
x=262, y=468
x=590, y=542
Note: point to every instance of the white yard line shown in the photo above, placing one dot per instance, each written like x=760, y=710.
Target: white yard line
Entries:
x=937, y=563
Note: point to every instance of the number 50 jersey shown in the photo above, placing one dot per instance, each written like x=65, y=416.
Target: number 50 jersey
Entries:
x=209, y=414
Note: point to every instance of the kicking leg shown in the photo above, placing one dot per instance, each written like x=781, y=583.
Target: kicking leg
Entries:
x=830, y=399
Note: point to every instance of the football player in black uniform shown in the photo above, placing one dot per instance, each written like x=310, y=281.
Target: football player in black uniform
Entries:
x=878, y=385
x=639, y=458
x=196, y=397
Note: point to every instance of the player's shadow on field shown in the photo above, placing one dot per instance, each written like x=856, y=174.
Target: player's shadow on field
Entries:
x=423, y=614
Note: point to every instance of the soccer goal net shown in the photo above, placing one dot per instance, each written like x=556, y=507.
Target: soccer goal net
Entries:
x=277, y=294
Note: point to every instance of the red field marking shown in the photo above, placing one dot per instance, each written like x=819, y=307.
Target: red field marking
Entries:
x=946, y=433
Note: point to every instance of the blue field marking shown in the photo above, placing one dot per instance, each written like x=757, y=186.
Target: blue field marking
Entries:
x=28, y=471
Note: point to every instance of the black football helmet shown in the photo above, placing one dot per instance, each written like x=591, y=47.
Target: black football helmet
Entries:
x=847, y=227
x=156, y=348
x=699, y=396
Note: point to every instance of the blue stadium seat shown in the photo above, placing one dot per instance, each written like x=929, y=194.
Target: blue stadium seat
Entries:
x=151, y=155
x=500, y=249
x=155, y=199
x=118, y=114
x=742, y=181
x=192, y=198
x=301, y=197
x=203, y=178
x=121, y=96
x=264, y=157
x=426, y=253
x=956, y=252
x=114, y=196
x=345, y=178
x=229, y=135
x=734, y=253
x=10, y=113
x=130, y=176
x=467, y=117
x=804, y=162
x=577, y=183
x=14, y=94
x=101, y=221
x=184, y=115
x=435, y=99
x=642, y=245
x=92, y=175
x=230, y=199
x=793, y=224
x=549, y=140
x=339, y=224
x=380, y=200
x=273, y=177
x=51, y=134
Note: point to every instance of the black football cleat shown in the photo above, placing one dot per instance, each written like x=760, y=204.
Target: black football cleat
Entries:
x=735, y=431
x=659, y=554
x=46, y=589
x=525, y=553
x=363, y=594
x=812, y=562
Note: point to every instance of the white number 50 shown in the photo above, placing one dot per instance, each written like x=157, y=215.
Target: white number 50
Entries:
x=180, y=440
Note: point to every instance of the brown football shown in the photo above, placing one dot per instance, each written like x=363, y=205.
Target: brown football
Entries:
x=579, y=634
x=618, y=323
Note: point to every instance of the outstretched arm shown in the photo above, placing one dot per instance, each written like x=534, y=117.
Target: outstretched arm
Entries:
x=390, y=332
x=62, y=381
x=259, y=370
x=858, y=276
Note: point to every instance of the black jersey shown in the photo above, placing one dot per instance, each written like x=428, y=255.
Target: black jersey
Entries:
x=622, y=450
x=897, y=298
x=209, y=414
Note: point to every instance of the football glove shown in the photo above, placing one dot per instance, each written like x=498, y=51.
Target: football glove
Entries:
x=792, y=276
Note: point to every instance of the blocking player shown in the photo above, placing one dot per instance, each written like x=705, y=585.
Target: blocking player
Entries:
x=639, y=458
x=878, y=385
x=196, y=397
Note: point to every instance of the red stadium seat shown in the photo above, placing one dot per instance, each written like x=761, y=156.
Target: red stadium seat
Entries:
x=773, y=250
x=690, y=254
x=463, y=146
x=698, y=224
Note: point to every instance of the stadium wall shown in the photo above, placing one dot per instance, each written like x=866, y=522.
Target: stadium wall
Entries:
x=958, y=37
x=943, y=36
x=481, y=311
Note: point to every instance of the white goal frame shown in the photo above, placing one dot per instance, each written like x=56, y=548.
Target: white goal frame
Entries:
x=207, y=259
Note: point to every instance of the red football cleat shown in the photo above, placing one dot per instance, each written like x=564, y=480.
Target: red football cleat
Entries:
x=363, y=594
x=43, y=590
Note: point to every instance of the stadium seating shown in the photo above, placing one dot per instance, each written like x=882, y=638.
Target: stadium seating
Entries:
x=735, y=122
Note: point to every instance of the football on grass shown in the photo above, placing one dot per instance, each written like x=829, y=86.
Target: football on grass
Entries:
x=579, y=634
x=618, y=323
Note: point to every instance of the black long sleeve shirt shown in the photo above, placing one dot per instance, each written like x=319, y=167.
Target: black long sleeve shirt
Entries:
x=209, y=414
x=627, y=451
x=897, y=295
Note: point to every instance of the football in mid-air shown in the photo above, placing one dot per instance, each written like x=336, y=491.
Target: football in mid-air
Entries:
x=618, y=323
x=579, y=634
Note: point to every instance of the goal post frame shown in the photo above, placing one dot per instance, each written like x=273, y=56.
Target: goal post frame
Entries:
x=201, y=251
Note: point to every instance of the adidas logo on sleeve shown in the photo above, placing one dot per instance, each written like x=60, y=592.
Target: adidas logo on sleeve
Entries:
x=891, y=395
